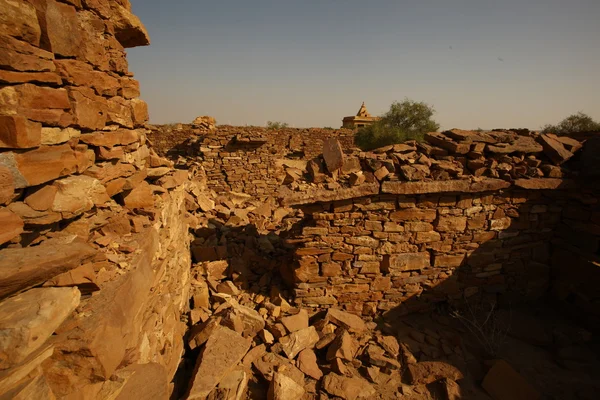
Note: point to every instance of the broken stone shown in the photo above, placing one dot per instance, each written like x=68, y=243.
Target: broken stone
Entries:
x=431, y=371
x=351, y=322
x=12, y=225
x=307, y=363
x=284, y=388
x=298, y=341
x=222, y=352
x=29, y=319
x=344, y=347
x=200, y=333
x=30, y=266
x=333, y=154
x=348, y=388
x=296, y=322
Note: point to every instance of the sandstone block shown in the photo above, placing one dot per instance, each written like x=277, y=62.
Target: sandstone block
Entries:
x=40, y=165
x=448, y=260
x=7, y=185
x=222, y=352
x=343, y=347
x=19, y=133
x=89, y=111
x=129, y=30
x=12, y=225
x=348, y=388
x=18, y=19
x=26, y=267
x=414, y=214
x=554, y=149
x=297, y=341
x=307, y=363
x=348, y=321
x=18, y=55
x=333, y=154
x=448, y=223
x=29, y=319
x=140, y=197
x=58, y=135
x=296, y=322
x=79, y=73
x=284, y=388
x=397, y=263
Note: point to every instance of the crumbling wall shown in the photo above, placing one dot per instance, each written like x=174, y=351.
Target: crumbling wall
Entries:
x=92, y=218
x=245, y=159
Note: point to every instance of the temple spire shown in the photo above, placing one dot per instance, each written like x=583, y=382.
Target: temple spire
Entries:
x=363, y=111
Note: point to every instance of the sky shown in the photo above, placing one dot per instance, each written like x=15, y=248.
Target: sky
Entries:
x=479, y=63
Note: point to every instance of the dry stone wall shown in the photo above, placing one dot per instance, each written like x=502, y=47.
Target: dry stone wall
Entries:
x=245, y=159
x=94, y=252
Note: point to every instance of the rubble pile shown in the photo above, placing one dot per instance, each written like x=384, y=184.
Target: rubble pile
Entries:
x=449, y=155
x=251, y=345
x=204, y=123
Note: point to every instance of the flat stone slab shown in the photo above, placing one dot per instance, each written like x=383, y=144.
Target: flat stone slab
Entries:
x=324, y=195
x=30, y=266
x=29, y=319
x=464, y=186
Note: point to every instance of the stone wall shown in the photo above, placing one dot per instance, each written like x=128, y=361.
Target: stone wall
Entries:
x=94, y=251
x=403, y=252
x=245, y=159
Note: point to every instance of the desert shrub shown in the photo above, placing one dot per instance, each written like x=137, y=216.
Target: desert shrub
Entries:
x=406, y=120
x=579, y=122
x=276, y=125
x=481, y=318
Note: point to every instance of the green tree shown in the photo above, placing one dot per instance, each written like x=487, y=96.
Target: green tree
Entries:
x=276, y=125
x=406, y=120
x=579, y=122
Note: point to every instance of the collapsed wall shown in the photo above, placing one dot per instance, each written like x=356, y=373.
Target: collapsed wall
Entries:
x=245, y=159
x=94, y=247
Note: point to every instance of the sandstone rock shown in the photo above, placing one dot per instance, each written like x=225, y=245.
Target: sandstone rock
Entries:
x=129, y=30
x=79, y=73
x=333, y=154
x=397, y=263
x=344, y=347
x=33, y=217
x=19, y=20
x=18, y=55
x=284, y=388
x=271, y=363
x=11, y=377
x=348, y=388
x=200, y=333
x=12, y=225
x=89, y=111
x=522, y=144
x=376, y=357
x=7, y=185
x=148, y=381
x=426, y=372
x=545, y=183
x=502, y=382
x=252, y=322
x=31, y=388
x=297, y=341
x=223, y=351
x=84, y=278
x=140, y=197
x=77, y=194
x=351, y=322
x=58, y=135
x=254, y=354
x=554, y=149
x=41, y=165
x=42, y=198
x=30, y=266
x=232, y=387
x=228, y=287
x=29, y=319
x=307, y=363
x=296, y=322
x=19, y=133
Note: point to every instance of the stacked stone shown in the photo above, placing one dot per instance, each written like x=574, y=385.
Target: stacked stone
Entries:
x=245, y=159
x=205, y=123
x=402, y=252
x=88, y=211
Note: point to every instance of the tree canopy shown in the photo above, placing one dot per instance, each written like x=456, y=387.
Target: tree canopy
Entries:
x=579, y=122
x=406, y=120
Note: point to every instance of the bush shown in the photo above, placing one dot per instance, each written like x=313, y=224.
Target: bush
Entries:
x=276, y=125
x=408, y=120
x=579, y=122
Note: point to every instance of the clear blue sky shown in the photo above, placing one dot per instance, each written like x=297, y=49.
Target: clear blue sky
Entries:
x=481, y=63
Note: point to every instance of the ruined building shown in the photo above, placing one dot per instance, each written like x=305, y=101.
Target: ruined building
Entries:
x=218, y=262
x=361, y=119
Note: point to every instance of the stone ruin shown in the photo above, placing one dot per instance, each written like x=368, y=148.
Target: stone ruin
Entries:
x=220, y=262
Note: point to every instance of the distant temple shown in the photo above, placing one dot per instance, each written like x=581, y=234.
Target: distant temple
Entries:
x=361, y=119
